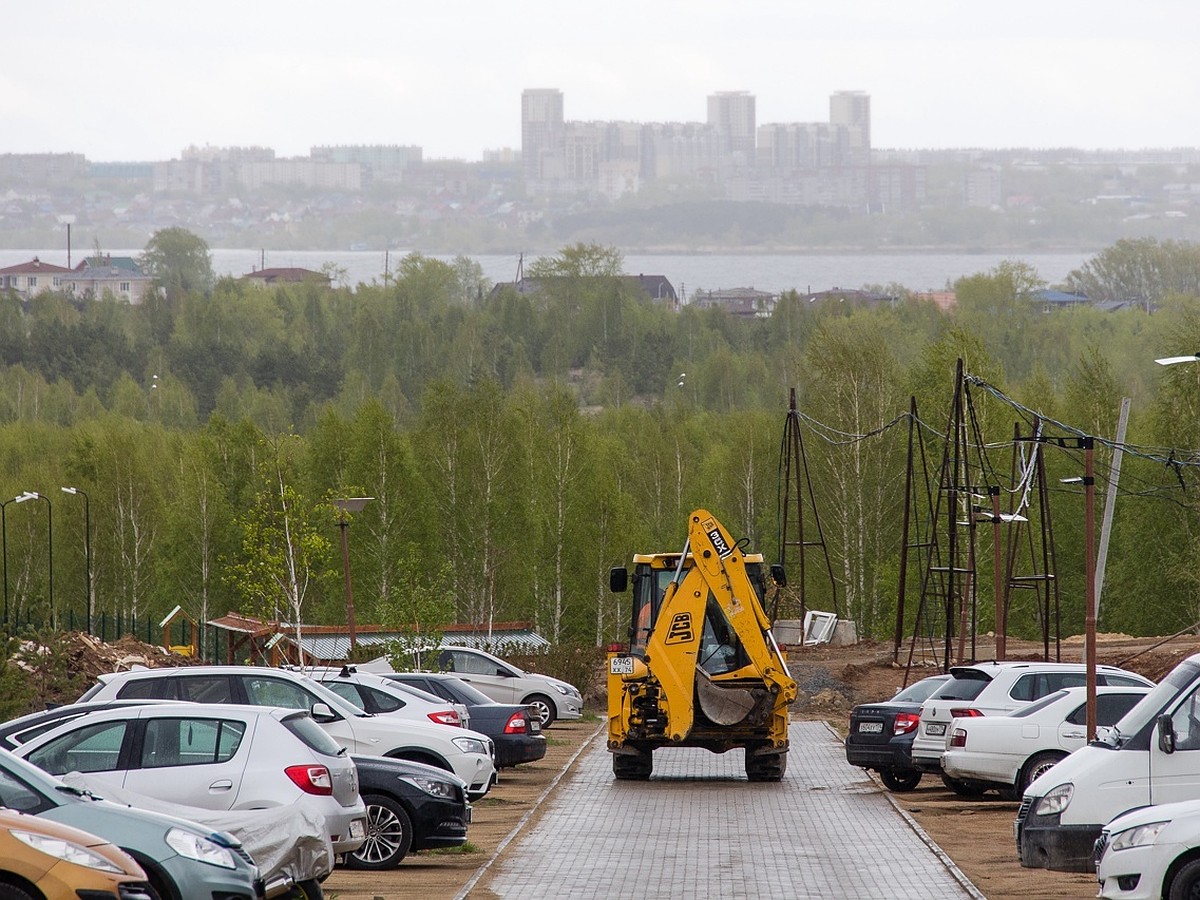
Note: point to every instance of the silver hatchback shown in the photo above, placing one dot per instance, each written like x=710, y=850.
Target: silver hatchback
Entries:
x=227, y=757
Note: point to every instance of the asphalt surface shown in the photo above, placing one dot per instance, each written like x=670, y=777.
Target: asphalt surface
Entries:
x=698, y=828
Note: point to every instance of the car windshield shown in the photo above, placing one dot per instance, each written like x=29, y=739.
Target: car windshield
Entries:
x=466, y=693
x=921, y=691
x=1178, y=681
x=313, y=735
x=1038, y=705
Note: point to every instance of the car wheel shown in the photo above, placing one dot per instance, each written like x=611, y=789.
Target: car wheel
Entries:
x=1186, y=883
x=14, y=892
x=389, y=835
x=544, y=707
x=963, y=788
x=1037, y=764
x=899, y=780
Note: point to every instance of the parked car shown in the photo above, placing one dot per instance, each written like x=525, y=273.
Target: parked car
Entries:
x=1151, y=853
x=993, y=689
x=410, y=806
x=1008, y=752
x=881, y=734
x=467, y=754
x=181, y=859
x=1150, y=757
x=378, y=696
x=40, y=858
x=514, y=729
x=505, y=683
x=237, y=757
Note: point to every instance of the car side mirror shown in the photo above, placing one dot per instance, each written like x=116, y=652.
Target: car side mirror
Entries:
x=1166, y=734
x=618, y=579
x=323, y=712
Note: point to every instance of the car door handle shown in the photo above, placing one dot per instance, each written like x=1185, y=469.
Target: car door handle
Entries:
x=1073, y=734
x=222, y=785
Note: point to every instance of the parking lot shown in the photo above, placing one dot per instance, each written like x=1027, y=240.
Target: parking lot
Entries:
x=698, y=828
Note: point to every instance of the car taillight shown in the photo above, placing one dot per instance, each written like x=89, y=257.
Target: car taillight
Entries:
x=446, y=717
x=311, y=779
x=905, y=722
x=958, y=738
x=515, y=724
x=964, y=712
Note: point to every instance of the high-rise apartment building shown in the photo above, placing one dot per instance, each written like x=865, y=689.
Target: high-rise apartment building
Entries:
x=732, y=113
x=541, y=132
x=850, y=111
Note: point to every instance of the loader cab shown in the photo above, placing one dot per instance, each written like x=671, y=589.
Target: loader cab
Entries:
x=720, y=649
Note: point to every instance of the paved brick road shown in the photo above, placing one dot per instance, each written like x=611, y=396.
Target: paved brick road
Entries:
x=699, y=829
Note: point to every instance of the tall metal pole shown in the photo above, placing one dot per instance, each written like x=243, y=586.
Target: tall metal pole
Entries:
x=4, y=544
x=1089, y=528
x=87, y=553
x=34, y=495
x=344, y=525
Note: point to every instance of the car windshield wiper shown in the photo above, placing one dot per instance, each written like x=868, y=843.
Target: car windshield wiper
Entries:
x=74, y=791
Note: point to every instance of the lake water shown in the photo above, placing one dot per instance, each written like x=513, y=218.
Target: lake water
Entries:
x=687, y=272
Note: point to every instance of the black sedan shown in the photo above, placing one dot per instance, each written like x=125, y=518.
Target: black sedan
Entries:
x=410, y=806
x=881, y=734
x=514, y=729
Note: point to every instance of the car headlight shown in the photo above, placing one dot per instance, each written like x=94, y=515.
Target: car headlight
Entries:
x=470, y=745
x=1055, y=801
x=435, y=787
x=562, y=689
x=1137, y=837
x=197, y=847
x=65, y=850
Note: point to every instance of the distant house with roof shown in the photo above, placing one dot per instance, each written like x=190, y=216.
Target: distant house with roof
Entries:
x=28, y=279
x=745, y=303
x=286, y=275
x=655, y=287
x=115, y=276
x=1050, y=299
x=851, y=295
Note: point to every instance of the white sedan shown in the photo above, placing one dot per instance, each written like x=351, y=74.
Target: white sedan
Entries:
x=1151, y=853
x=1008, y=752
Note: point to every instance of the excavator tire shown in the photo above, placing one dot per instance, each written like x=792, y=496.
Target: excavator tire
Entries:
x=765, y=768
x=633, y=768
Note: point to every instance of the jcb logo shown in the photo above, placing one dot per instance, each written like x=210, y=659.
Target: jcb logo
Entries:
x=680, y=630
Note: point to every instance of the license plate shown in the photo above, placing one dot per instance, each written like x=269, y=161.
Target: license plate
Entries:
x=935, y=728
x=620, y=665
x=870, y=728
x=467, y=816
x=535, y=726
x=358, y=829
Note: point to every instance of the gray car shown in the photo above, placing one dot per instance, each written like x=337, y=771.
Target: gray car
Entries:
x=182, y=860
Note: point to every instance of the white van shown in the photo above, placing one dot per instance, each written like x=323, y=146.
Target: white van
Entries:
x=1151, y=756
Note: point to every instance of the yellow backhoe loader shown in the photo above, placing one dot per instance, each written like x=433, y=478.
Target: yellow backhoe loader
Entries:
x=702, y=669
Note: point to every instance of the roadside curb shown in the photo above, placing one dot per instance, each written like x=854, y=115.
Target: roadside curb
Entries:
x=533, y=810
x=958, y=874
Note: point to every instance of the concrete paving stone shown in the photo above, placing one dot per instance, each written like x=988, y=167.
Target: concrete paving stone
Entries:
x=698, y=828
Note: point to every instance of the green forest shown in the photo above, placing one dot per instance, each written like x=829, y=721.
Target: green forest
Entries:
x=517, y=446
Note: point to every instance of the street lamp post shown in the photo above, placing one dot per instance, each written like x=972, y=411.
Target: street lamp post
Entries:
x=34, y=495
x=349, y=505
x=87, y=551
x=4, y=550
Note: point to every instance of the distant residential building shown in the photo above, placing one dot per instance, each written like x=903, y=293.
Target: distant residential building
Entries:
x=1049, y=299
x=41, y=168
x=733, y=114
x=850, y=115
x=943, y=300
x=850, y=295
x=745, y=303
x=382, y=162
x=542, y=131
x=655, y=287
x=279, y=276
x=28, y=279
x=115, y=276
x=302, y=172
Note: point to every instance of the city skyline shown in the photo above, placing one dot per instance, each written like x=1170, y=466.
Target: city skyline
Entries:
x=136, y=81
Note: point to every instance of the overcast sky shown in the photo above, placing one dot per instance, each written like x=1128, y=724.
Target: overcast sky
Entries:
x=125, y=80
